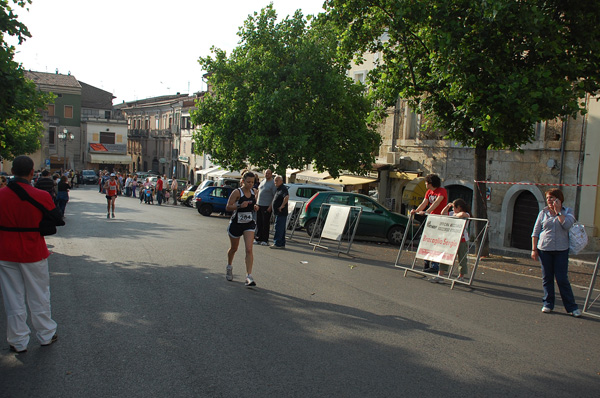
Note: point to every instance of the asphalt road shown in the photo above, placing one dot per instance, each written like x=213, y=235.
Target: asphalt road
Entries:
x=144, y=310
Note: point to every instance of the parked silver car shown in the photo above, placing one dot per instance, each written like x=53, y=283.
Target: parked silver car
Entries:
x=302, y=193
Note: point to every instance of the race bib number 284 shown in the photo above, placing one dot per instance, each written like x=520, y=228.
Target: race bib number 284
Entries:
x=244, y=217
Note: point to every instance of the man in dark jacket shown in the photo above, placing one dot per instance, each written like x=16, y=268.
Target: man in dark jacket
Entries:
x=45, y=183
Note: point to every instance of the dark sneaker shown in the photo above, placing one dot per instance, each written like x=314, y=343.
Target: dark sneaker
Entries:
x=52, y=340
x=250, y=281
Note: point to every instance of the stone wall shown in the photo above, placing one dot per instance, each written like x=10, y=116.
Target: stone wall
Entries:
x=540, y=162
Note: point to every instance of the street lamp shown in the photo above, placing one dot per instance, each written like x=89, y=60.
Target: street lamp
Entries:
x=65, y=136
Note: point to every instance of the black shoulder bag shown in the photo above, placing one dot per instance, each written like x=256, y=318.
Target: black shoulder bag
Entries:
x=50, y=218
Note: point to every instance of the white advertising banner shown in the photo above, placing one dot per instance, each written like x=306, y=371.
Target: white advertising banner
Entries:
x=440, y=239
x=336, y=220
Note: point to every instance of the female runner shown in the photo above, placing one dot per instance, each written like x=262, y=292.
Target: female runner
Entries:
x=242, y=202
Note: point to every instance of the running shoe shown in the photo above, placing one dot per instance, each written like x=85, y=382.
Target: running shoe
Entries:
x=113, y=215
x=15, y=349
x=437, y=279
x=250, y=281
x=576, y=313
x=546, y=310
x=107, y=215
x=264, y=243
x=229, y=273
x=52, y=341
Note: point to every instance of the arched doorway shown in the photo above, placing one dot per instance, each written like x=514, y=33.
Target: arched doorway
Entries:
x=524, y=215
x=459, y=192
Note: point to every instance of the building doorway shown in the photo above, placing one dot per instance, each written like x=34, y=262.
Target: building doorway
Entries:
x=524, y=215
x=460, y=192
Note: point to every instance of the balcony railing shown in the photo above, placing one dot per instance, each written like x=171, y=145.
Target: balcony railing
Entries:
x=137, y=133
x=161, y=133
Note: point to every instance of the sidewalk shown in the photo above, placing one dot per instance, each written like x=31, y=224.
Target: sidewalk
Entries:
x=516, y=261
x=581, y=267
x=585, y=258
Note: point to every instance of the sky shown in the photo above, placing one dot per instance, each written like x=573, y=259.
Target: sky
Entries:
x=137, y=49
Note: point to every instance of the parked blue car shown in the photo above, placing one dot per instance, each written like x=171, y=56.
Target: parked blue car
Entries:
x=212, y=200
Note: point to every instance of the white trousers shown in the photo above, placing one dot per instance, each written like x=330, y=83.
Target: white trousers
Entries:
x=29, y=282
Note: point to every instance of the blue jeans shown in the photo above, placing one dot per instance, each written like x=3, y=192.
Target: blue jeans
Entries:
x=279, y=238
x=555, y=264
x=61, y=201
x=159, y=196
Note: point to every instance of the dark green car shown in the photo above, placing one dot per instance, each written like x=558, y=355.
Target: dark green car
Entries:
x=375, y=220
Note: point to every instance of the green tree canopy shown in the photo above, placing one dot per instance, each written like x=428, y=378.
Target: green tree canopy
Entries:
x=484, y=71
x=279, y=100
x=20, y=101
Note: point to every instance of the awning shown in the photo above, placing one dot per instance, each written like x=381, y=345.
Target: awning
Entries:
x=414, y=192
x=204, y=172
x=110, y=158
x=291, y=172
x=225, y=174
x=213, y=171
x=312, y=175
x=403, y=175
x=349, y=180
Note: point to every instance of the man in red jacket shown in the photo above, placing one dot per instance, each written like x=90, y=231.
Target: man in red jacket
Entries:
x=24, y=261
x=159, y=190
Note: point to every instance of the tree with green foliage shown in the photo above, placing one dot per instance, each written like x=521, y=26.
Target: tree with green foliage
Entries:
x=20, y=120
x=483, y=71
x=280, y=101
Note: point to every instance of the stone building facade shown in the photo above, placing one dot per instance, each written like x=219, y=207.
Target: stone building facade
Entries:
x=153, y=127
x=563, y=153
x=84, y=115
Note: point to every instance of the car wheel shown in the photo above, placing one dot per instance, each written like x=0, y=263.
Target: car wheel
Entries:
x=395, y=235
x=205, y=210
x=188, y=202
x=311, y=225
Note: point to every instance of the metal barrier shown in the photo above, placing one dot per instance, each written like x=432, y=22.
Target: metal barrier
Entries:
x=412, y=239
x=341, y=226
x=294, y=210
x=588, y=305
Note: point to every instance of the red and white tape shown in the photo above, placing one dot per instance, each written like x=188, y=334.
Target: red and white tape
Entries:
x=534, y=183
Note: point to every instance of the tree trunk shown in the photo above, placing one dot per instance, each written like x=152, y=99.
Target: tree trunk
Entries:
x=479, y=193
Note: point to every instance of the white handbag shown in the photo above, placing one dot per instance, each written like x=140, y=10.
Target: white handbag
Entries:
x=578, y=238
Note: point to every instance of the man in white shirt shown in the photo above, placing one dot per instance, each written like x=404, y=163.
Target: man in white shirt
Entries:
x=266, y=192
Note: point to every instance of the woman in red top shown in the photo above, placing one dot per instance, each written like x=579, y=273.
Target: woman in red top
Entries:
x=111, y=188
x=434, y=202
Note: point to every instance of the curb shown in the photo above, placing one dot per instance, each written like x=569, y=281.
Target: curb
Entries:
x=519, y=253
